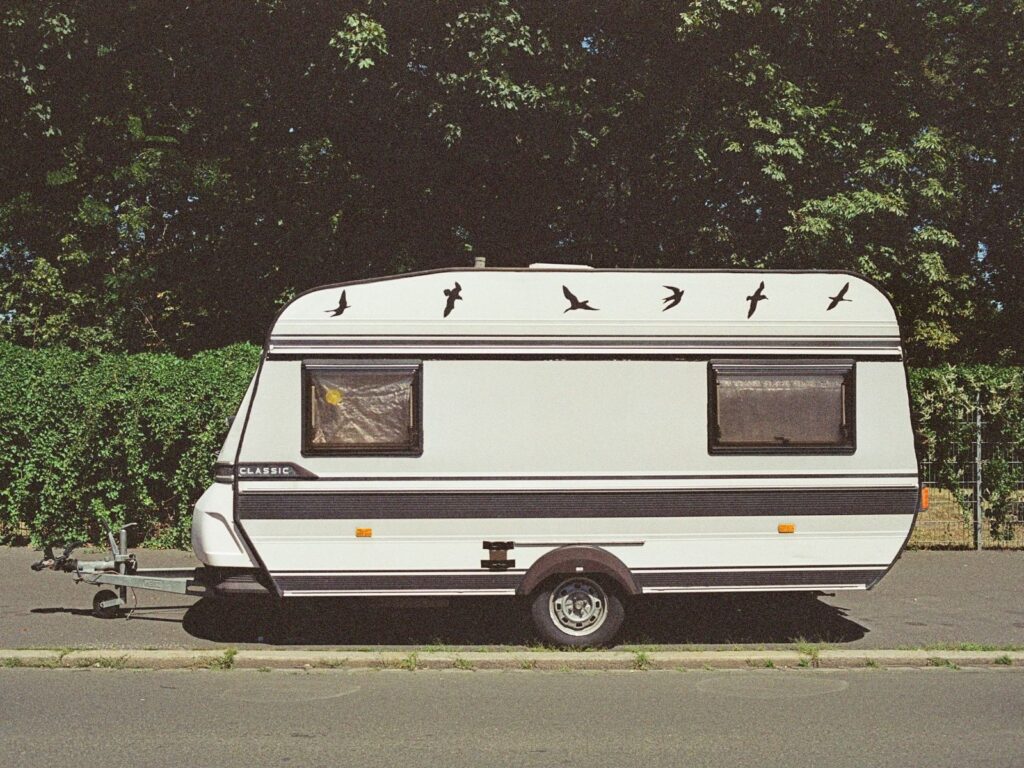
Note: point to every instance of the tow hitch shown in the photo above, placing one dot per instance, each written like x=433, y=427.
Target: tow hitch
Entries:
x=122, y=572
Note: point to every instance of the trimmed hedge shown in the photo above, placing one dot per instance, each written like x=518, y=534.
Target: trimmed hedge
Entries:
x=90, y=441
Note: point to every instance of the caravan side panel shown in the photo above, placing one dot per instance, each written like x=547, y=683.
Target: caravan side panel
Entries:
x=543, y=453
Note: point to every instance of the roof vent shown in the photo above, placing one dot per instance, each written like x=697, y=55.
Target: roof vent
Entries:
x=543, y=265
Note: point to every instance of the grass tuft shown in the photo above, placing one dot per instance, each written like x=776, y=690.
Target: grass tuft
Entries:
x=811, y=650
x=641, y=661
x=116, y=662
x=226, y=660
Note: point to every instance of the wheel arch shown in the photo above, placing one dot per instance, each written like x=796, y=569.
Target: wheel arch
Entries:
x=578, y=559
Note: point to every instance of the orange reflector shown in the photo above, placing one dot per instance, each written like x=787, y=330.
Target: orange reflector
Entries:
x=364, y=533
x=787, y=528
x=924, y=498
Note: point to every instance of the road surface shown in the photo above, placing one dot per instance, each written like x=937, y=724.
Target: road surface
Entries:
x=793, y=718
x=928, y=598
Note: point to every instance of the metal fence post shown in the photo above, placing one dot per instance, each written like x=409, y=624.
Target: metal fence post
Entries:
x=977, y=473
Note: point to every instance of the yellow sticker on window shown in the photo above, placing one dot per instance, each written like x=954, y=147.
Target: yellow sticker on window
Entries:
x=333, y=396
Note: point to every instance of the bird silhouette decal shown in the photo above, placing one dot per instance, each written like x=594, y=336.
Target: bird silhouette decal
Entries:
x=340, y=309
x=675, y=298
x=758, y=296
x=838, y=298
x=453, y=294
x=575, y=303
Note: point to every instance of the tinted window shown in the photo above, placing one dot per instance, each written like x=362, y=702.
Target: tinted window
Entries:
x=782, y=407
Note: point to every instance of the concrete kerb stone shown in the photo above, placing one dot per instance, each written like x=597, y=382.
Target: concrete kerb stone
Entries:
x=149, y=659
x=502, y=660
x=722, y=659
x=843, y=659
x=296, y=659
x=29, y=658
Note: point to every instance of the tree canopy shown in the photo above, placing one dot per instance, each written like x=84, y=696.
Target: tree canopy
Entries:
x=173, y=172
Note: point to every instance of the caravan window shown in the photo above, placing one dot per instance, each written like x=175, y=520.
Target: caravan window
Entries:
x=792, y=406
x=361, y=408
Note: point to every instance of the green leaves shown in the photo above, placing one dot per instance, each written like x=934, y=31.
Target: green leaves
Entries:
x=227, y=165
x=93, y=441
x=359, y=40
x=946, y=402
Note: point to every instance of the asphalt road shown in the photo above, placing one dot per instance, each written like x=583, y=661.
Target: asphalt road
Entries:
x=764, y=718
x=928, y=598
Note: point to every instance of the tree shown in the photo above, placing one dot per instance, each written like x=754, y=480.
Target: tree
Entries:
x=175, y=173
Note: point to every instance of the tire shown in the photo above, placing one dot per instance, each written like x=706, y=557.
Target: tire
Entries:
x=105, y=613
x=577, y=611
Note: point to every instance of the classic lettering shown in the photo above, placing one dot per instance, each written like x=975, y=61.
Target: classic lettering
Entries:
x=266, y=470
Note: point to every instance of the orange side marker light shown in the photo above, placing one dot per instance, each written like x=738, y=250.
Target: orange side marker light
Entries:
x=364, y=533
x=924, y=497
x=787, y=528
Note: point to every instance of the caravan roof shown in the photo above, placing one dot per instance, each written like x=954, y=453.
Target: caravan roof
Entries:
x=574, y=311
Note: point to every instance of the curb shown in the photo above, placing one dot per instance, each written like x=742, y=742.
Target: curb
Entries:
x=229, y=658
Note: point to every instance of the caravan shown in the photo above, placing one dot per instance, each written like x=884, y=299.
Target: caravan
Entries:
x=579, y=437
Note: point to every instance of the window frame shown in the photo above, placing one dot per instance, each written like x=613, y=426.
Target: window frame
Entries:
x=785, y=366
x=415, y=444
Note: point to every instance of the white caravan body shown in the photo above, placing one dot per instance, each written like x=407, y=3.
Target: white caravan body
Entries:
x=475, y=431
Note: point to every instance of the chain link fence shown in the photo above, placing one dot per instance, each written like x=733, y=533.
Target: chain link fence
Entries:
x=975, y=497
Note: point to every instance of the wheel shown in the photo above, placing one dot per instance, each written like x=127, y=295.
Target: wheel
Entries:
x=577, y=611
x=111, y=612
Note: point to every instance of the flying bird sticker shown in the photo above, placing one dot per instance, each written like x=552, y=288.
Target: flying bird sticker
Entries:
x=755, y=298
x=340, y=309
x=453, y=294
x=674, y=299
x=575, y=303
x=838, y=298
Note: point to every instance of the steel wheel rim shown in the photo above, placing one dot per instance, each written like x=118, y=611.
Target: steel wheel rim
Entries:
x=578, y=606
